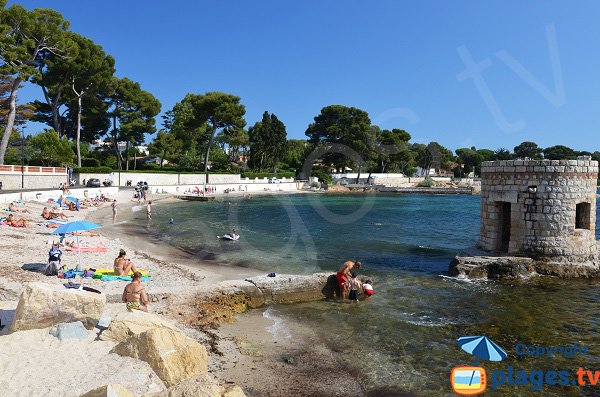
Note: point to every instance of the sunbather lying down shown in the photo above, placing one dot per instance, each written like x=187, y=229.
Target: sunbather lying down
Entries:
x=47, y=214
x=12, y=221
x=13, y=208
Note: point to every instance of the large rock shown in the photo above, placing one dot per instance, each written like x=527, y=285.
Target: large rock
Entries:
x=129, y=323
x=517, y=267
x=173, y=356
x=493, y=267
x=44, y=305
x=292, y=288
x=198, y=386
x=114, y=390
x=74, y=330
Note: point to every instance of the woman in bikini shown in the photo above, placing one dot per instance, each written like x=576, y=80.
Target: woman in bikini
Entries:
x=12, y=221
x=134, y=294
x=123, y=265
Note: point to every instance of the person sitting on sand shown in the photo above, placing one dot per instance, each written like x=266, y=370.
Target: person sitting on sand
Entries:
x=123, y=265
x=47, y=214
x=12, y=221
x=343, y=276
x=13, y=208
x=134, y=294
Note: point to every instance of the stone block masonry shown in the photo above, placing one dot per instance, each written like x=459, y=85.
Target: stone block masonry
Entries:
x=542, y=209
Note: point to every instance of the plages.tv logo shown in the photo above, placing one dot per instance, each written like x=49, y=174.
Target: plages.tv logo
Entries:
x=471, y=380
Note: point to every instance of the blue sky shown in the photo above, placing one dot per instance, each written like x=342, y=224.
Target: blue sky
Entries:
x=398, y=60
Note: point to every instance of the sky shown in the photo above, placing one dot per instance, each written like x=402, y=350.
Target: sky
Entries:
x=462, y=73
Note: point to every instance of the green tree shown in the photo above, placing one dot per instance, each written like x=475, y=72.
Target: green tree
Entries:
x=237, y=141
x=347, y=126
x=470, y=159
x=90, y=71
x=26, y=37
x=503, y=154
x=133, y=110
x=529, y=150
x=49, y=149
x=393, y=152
x=267, y=140
x=296, y=152
x=559, y=152
x=218, y=111
x=164, y=145
x=596, y=156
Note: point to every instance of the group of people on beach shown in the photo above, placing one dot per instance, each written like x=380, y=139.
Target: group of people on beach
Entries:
x=349, y=283
x=134, y=293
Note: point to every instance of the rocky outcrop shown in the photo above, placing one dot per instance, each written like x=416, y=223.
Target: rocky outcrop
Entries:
x=74, y=330
x=44, y=305
x=173, y=356
x=114, y=390
x=514, y=267
x=291, y=288
x=130, y=323
x=201, y=386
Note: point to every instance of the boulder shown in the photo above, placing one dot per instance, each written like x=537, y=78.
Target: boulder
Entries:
x=292, y=288
x=198, y=386
x=173, y=356
x=74, y=330
x=44, y=305
x=129, y=323
x=114, y=390
x=233, y=391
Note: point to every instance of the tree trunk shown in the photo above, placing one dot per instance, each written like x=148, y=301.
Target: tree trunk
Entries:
x=117, y=153
x=358, y=176
x=127, y=155
x=10, y=122
x=210, y=141
x=134, y=158
x=79, y=130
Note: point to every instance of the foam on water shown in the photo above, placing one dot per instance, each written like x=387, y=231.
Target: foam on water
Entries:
x=278, y=329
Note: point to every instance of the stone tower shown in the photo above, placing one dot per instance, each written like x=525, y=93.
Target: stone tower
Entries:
x=543, y=209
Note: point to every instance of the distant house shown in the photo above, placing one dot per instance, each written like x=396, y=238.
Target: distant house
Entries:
x=154, y=160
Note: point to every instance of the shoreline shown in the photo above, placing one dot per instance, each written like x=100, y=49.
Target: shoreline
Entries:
x=179, y=278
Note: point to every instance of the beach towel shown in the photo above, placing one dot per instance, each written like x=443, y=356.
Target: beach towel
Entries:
x=57, y=221
x=86, y=249
x=111, y=272
x=115, y=278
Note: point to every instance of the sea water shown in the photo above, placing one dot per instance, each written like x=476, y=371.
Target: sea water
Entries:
x=403, y=339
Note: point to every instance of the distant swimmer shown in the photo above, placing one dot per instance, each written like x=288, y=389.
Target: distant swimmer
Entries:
x=171, y=221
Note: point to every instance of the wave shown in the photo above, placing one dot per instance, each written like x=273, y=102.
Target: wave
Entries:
x=278, y=329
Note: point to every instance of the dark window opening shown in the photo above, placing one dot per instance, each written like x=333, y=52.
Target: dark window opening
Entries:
x=582, y=216
x=503, y=226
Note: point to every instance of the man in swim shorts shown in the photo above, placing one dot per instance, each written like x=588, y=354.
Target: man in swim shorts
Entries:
x=344, y=275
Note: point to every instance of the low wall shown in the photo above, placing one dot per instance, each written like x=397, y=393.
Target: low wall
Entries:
x=238, y=187
x=13, y=177
x=44, y=195
x=161, y=179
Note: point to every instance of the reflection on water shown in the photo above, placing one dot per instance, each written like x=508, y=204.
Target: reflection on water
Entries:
x=404, y=338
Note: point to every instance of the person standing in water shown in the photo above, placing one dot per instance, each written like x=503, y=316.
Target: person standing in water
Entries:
x=344, y=275
x=149, y=210
x=114, y=210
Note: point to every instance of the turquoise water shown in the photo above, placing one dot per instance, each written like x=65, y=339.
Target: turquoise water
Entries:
x=405, y=335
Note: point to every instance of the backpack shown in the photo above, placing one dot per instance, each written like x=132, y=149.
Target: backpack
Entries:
x=54, y=254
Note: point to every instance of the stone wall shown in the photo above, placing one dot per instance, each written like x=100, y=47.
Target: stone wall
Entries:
x=32, y=177
x=541, y=209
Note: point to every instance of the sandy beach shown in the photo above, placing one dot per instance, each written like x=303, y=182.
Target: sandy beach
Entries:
x=246, y=351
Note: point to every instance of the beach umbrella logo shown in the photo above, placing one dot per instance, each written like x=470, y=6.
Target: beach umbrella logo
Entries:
x=482, y=347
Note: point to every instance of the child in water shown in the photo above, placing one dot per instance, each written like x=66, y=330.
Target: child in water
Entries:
x=355, y=286
x=368, y=288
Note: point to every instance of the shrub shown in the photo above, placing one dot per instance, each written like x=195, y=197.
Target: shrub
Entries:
x=253, y=175
x=93, y=170
x=428, y=182
x=323, y=176
x=90, y=162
